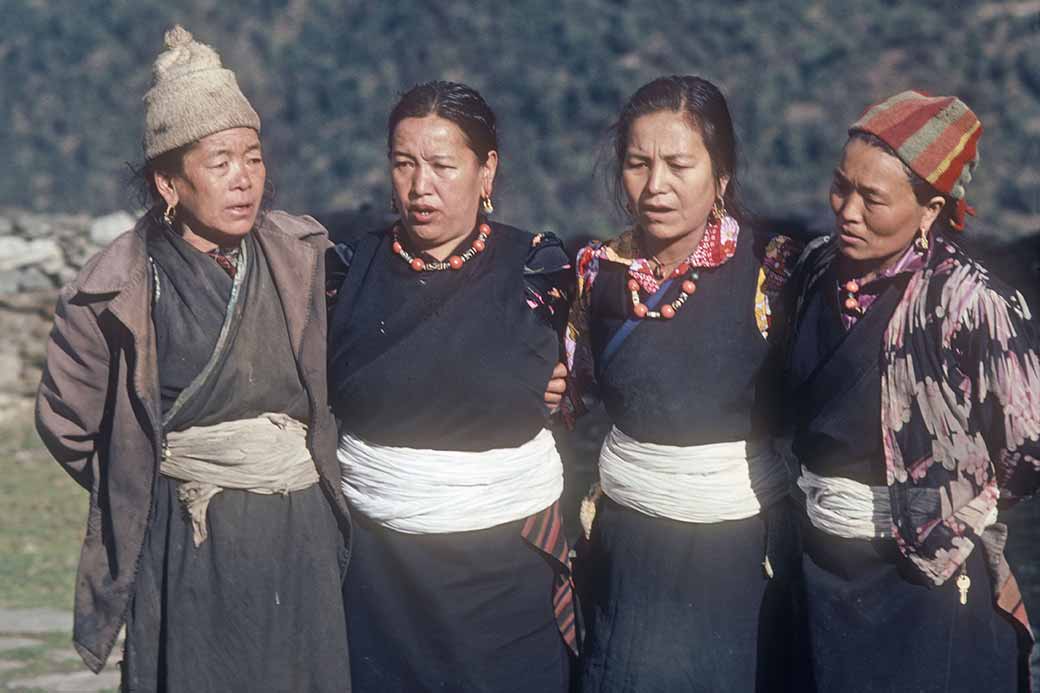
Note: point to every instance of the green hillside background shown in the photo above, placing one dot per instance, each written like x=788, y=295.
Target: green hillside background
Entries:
x=323, y=74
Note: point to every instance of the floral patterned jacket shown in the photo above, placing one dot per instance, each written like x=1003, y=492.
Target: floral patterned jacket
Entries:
x=960, y=400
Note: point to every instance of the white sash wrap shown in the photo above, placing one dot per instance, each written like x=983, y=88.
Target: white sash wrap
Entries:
x=267, y=454
x=438, y=491
x=845, y=508
x=702, y=483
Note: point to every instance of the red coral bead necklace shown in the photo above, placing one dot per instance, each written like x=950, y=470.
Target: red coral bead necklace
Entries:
x=668, y=310
x=455, y=262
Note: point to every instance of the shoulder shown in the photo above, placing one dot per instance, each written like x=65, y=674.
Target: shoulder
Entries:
x=115, y=266
x=304, y=228
x=546, y=253
x=965, y=289
x=340, y=256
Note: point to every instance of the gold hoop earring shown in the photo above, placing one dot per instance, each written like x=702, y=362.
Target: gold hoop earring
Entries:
x=170, y=214
x=485, y=203
x=921, y=242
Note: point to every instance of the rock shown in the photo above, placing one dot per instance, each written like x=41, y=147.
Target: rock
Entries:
x=35, y=621
x=34, y=279
x=80, y=681
x=33, y=225
x=8, y=282
x=17, y=252
x=8, y=644
x=10, y=371
x=104, y=230
x=8, y=665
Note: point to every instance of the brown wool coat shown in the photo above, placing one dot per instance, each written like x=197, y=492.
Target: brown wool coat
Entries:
x=97, y=409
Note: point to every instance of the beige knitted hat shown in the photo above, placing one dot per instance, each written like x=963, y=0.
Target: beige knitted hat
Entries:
x=192, y=96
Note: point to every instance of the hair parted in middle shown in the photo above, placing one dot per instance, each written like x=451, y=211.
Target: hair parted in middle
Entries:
x=458, y=103
x=705, y=109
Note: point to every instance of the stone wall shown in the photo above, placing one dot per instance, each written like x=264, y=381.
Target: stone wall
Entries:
x=38, y=254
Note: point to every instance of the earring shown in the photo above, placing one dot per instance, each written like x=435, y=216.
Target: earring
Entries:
x=485, y=202
x=921, y=242
x=718, y=210
x=170, y=214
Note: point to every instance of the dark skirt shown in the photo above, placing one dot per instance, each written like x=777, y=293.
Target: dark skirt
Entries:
x=466, y=611
x=874, y=626
x=676, y=606
x=257, y=607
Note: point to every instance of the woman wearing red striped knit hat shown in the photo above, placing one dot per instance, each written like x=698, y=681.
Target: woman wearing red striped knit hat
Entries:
x=911, y=377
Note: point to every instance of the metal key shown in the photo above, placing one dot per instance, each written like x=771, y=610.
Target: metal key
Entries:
x=963, y=583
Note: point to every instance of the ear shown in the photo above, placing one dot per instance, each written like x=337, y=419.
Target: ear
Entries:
x=932, y=208
x=722, y=184
x=164, y=183
x=487, y=174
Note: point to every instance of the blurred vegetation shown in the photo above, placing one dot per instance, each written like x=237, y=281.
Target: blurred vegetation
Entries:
x=324, y=73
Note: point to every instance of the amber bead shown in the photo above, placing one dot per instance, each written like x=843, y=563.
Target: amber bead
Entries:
x=418, y=265
x=455, y=261
x=397, y=247
x=640, y=310
x=667, y=312
x=485, y=229
x=851, y=286
x=851, y=303
x=633, y=285
x=478, y=245
x=688, y=287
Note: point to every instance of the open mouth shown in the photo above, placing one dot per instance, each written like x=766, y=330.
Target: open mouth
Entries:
x=241, y=210
x=421, y=215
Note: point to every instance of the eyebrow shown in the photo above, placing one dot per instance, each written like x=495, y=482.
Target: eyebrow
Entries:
x=868, y=189
x=633, y=154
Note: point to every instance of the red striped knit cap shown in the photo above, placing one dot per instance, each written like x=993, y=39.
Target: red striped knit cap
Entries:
x=936, y=136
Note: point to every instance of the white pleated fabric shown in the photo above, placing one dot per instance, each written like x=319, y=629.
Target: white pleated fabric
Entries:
x=702, y=483
x=845, y=508
x=419, y=491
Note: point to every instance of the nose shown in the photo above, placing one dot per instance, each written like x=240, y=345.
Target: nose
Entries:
x=242, y=178
x=655, y=183
x=420, y=182
x=848, y=207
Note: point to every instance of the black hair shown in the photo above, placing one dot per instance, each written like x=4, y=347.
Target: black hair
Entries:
x=462, y=105
x=923, y=190
x=705, y=108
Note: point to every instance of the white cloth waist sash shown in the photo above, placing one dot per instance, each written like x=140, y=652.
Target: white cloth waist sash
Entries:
x=845, y=508
x=267, y=454
x=419, y=491
x=701, y=483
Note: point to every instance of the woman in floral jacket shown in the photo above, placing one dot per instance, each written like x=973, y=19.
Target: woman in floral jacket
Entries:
x=914, y=384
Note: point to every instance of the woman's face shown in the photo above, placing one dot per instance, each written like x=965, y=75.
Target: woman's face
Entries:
x=438, y=180
x=668, y=176
x=218, y=190
x=876, y=212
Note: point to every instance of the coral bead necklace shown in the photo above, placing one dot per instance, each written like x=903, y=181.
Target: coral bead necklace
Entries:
x=455, y=262
x=668, y=310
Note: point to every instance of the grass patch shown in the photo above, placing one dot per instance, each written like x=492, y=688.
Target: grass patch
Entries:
x=42, y=520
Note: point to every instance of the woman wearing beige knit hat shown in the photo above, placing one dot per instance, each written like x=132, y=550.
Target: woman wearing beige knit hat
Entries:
x=185, y=390
x=912, y=378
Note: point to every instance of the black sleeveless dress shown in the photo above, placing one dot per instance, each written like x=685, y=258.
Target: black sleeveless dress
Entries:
x=670, y=605
x=453, y=360
x=874, y=625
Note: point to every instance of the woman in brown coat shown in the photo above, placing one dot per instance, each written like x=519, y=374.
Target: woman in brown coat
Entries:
x=185, y=389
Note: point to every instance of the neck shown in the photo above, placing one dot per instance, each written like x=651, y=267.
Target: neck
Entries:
x=670, y=251
x=866, y=269
x=439, y=248
x=207, y=240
